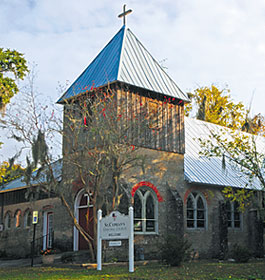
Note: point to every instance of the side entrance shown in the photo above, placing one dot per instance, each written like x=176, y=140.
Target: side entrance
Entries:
x=84, y=216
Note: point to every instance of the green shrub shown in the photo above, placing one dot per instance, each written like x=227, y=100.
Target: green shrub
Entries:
x=240, y=253
x=174, y=250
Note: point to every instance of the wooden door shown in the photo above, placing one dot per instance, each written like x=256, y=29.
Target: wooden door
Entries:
x=86, y=221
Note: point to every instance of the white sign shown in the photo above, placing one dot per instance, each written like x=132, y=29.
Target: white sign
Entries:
x=115, y=243
x=35, y=217
x=1, y=227
x=115, y=226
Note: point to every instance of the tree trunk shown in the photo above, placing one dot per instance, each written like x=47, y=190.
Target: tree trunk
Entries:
x=86, y=236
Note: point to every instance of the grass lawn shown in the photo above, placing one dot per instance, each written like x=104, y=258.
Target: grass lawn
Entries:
x=191, y=270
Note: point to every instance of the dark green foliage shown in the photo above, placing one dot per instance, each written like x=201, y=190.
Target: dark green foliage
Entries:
x=39, y=149
x=174, y=250
x=240, y=254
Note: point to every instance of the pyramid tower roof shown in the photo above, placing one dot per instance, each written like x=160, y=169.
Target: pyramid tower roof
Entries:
x=124, y=59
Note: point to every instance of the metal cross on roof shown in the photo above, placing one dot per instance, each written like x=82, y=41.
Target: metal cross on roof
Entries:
x=124, y=14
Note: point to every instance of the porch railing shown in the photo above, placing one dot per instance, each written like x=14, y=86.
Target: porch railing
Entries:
x=39, y=244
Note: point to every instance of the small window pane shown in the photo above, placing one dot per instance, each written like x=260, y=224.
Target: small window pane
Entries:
x=200, y=204
x=236, y=206
x=190, y=203
x=190, y=223
x=228, y=206
x=150, y=226
x=29, y=219
x=237, y=224
x=237, y=216
x=138, y=225
x=200, y=214
x=150, y=208
x=137, y=207
x=84, y=200
x=200, y=223
x=190, y=214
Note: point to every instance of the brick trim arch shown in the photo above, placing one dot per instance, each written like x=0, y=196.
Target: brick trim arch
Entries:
x=150, y=185
x=205, y=194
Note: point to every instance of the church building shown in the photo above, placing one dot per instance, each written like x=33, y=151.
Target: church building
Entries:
x=179, y=194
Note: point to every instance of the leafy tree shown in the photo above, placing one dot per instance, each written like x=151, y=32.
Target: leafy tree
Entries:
x=216, y=106
x=11, y=62
x=95, y=146
x=242, y=151
x=255, y=125
x=9, y=171
x=96, y=149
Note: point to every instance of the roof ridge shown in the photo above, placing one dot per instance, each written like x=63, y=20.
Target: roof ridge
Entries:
x=156, y=62
x=122, y=49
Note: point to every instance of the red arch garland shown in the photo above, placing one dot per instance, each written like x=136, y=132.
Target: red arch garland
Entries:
x=150, y=185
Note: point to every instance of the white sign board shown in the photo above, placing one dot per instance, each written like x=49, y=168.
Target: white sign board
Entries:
x=115, y=243
x=115, y=226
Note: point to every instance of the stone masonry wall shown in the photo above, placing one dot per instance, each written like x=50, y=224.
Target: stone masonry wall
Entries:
x=16, y=242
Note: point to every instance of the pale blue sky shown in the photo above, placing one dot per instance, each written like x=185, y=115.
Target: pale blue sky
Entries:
x=203, y=42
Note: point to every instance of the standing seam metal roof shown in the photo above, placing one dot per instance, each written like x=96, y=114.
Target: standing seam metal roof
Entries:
x=126, y=60
x=19, y=183
x=203, y=170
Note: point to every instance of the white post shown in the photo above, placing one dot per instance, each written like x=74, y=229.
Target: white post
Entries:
x=99, y=242
x=131, y=241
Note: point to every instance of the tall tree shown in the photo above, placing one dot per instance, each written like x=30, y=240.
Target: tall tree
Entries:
x=12, y=68
x=216, y=106
x=95, y=134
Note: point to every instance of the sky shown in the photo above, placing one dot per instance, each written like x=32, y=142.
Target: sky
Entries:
x=199, y=43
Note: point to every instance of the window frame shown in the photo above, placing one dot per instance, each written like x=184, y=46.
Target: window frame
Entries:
x=195, y=197
x=17, y=218
x=26, y=216
x=232, y=212
x=8, y=213
x=143, y=199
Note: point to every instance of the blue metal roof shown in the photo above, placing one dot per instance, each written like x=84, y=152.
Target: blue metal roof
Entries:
x=203, y=170
x=20, y=184
x=126, y=60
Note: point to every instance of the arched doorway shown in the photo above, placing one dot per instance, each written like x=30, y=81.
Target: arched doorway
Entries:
x=84, y=216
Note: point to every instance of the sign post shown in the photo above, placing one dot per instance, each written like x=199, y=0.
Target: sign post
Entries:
x=34, y=222
x=131, y=243
x=112, y=227
x=99, y=241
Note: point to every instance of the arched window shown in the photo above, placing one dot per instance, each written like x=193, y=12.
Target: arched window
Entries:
x=196, y=211
x=8, y=220
x=233, y=214
x=27, y=218
x=17, y=219
x=145, y=211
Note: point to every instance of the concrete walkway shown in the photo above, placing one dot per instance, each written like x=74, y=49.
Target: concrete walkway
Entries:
x=19, y=262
